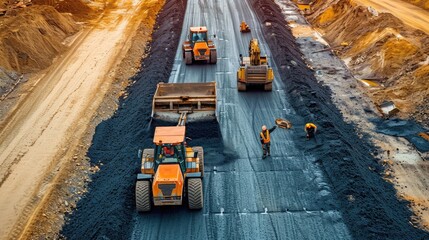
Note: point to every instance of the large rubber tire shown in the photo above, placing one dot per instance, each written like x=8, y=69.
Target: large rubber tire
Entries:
x=188, y=58
x=143, y=202
x=200, y=155
x=241, y=87
x=195, y=193
x=268, y=87
x=213, y=56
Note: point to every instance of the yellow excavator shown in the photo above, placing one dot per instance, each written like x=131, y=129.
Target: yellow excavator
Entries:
x=254, y=70
x=198, y=47
x=172, y=172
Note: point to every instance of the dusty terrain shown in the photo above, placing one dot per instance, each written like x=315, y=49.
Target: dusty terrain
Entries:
x=41, y=134
x=382, y=49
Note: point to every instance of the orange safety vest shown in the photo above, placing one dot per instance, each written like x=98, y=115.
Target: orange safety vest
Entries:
x=265, y=139
x=310, y=125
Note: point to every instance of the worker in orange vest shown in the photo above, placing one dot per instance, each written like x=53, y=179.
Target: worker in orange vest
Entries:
x=310, y=129
x=264, y=136
x=168, y=151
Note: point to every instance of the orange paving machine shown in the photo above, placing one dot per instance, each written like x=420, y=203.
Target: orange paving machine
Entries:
x=199, y=47
x=172, y=172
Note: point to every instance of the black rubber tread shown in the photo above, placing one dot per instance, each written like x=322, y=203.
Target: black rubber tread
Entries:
x=213, y=56
x=143, y=194
x=188, y=58
x=195, y=193
x=201, y=157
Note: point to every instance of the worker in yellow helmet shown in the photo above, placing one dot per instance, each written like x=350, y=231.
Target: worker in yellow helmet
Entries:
x=310, y=129
x=264, y=136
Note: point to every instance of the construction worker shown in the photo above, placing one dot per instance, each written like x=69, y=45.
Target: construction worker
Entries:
x=264, y=136
x=168, y=151
x=310, y=129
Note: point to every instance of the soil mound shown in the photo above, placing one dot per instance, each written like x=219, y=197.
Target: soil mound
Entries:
x=382, y=48
x=30, y=40
x=75, y=7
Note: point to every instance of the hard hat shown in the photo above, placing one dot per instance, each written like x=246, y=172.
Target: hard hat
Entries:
x=264, y=127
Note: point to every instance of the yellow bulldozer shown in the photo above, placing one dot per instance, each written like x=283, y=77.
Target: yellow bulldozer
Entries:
x=198, y=48
x=172, y=172
x=254, y=70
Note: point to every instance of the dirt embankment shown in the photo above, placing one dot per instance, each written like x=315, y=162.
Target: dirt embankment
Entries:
x=31, y=37
x=381, y=48
x=420, y=3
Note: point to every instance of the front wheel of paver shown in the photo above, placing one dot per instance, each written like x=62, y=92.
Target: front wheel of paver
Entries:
x=143, y=203
x=188, y=58
x=213, y=57
x=195, y=193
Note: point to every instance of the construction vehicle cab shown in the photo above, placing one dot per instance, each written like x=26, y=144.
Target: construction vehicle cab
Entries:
x=198, y=47
x=170, y=172
x=254, y=70
x=244, y=27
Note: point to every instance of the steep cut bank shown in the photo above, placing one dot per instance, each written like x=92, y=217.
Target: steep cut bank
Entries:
x=380, y=48
x=33, y=35
x=30, y=41
x=368, y=203
x=107, y=210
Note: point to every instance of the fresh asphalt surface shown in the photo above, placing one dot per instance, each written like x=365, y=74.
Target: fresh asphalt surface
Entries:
x=282, y=197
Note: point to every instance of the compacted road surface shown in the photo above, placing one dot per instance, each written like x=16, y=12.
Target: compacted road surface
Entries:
x=284, y=196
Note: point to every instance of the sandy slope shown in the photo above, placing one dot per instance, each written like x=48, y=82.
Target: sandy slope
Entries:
x=50, y=118
x=418, y=19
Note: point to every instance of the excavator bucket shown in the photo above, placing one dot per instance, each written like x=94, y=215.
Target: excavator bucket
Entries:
x=196, y=100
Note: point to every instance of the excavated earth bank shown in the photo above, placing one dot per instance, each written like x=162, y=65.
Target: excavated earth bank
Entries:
x=368, y=203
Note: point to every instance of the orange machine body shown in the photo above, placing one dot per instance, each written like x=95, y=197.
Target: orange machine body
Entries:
x=199, y=46
x=167, y=187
